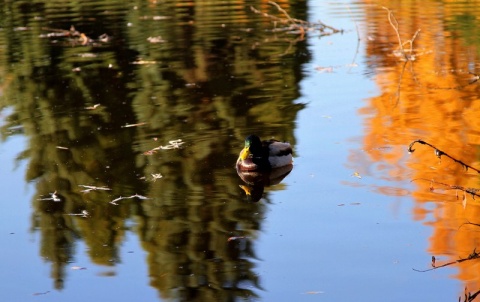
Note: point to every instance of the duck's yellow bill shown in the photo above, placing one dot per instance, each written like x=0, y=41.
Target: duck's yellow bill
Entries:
x=244, y=154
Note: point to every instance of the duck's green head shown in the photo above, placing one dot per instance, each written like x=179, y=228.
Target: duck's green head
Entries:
x=253, y=145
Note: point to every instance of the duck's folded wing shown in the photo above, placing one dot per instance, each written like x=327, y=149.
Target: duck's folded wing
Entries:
x=280, y=154
x=279, y=149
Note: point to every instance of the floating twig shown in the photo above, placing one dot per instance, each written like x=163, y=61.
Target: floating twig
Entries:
x=84, y=214
x=128, y=197
x=173, y=144
x=53, y=196
x=358, y=38
x=133, y=125
x=74, y=37
x=237, y=237
x=439, y=153
x=92, y=107
x=293, y=26
x=93, y=188
x=301, y=26
x=156, y=176
x=394, y=23
x=406, y=55
x=144, y=62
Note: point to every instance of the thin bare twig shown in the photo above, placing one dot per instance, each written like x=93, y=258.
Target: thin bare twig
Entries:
x=439, y=153
x=395, y=28
x=472, y=191
x=93, y=188
x=473, y=255
x=358, y=39
x=301, y=25
x=173, y=144
x=394, y=24
x=475, y=79
x=282, y=11
x=53, y=196
x=469, y=297
x=114, y=202
x=84, y=214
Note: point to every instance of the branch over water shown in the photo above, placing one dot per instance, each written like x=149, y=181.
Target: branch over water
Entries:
x=439, y=153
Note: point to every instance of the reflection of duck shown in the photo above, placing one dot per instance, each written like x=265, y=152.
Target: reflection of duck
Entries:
x=256, y=181
x=262, y=164
x=263, y=156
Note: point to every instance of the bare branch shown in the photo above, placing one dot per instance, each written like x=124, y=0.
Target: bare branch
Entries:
x=439, y=153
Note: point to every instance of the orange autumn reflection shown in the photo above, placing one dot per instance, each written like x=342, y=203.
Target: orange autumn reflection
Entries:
x=433, y=97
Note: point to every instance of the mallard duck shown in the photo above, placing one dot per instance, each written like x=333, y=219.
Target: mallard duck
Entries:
x=260, y=155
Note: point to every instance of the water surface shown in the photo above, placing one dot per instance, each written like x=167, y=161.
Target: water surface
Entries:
x=121, y=124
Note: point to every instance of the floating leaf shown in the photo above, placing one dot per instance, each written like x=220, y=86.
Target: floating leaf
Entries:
x=78, y=268
x=357, y=175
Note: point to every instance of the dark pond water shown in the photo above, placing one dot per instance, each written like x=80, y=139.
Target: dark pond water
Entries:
x=121, y=123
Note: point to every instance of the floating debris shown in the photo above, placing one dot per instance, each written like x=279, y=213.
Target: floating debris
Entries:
x=295, y=26
x=173, y=144
x=156, y=176
x=93, y=188
x=314, y=292
x=87, y=55
x=72, y=37
x=78, y=268
x=129, y=197
x=236, y=238
x=143, y=62
x=328, y=69
x=53, y=196
x=104, y=38
x=133, y=125
x=92, y=107
x=157, y=39
x=155, y=18
x=84, y=214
